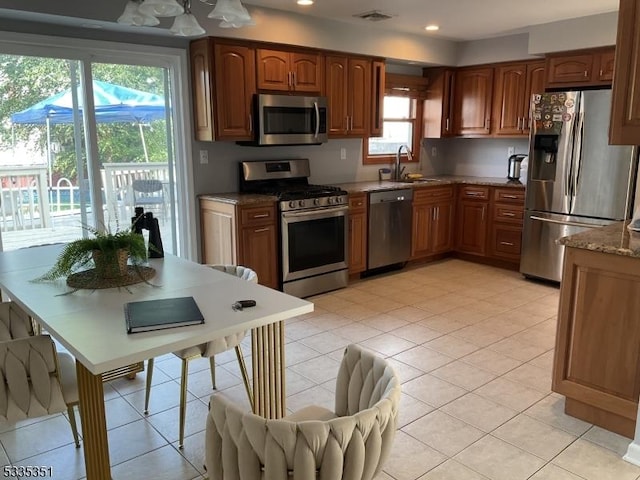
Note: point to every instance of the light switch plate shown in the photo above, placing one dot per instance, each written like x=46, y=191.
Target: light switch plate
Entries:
x=343, y=154
x=204, y=157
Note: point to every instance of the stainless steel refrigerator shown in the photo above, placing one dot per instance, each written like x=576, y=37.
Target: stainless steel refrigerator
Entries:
x=575, y=179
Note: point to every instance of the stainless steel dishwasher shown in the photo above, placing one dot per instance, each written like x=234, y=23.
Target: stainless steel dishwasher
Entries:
x=389, y=227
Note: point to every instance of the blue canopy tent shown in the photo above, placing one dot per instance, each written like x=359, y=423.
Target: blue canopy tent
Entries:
x=113, y=103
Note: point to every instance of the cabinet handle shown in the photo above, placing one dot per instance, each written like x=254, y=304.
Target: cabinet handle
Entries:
x=259, y=230
x=474, y=194
x=487, y=123
x=347, y=123
x=359, y=204
x=518, y=124
x=510, y=196
x=586, y=74
x=483, y=214
x=293, y=79
x=508, y=214
x=260, y=215
x=437, y=213
x=446, y=128
x=250, y=124
x=601, y=72
x=509, y=244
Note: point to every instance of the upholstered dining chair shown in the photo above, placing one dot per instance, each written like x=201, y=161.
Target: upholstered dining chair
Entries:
x=208, y=350
x=351, y=443
x=36, y=381
x=15, y=322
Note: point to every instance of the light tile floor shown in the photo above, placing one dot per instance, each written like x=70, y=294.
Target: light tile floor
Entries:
x=473, y=346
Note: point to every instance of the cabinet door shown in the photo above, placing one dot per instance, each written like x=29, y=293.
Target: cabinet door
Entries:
x=273, y=71
x=357, y=242
x=235, y=87
x=359, y=96
x=307, y=71
x=336, y=89
x=508, y=106
x=438, y=107
x=506, y=241
x=625, y=113
x=442, y=227
x=201, y=69
x=535, y=84
x=377, y=98
x=605, y=66
x=259, y=247
x=472, y=227
x=472, y=102
x=218, y=221
x=569, y=70
x=421, y=237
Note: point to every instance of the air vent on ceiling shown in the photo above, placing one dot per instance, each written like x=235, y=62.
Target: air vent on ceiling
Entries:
x=374, y=16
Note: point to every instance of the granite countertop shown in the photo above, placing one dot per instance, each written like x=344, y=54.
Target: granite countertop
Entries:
x=435, y=180
x=615, y=239
x=236, y=198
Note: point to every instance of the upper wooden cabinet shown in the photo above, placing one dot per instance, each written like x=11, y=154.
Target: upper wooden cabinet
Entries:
x=217, y=70
x=472, y=101
x=438, y=106
x=348, y=90
x=580, y=69
x=289, y=71
x=514, y=84
x=625, y=112
x=377, y=97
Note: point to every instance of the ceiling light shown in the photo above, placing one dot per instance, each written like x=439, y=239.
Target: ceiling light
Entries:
x=432, y=28
x=305, y=2
x=138, y=13
x=232, y=13
x=186, y=25
x=161, y=8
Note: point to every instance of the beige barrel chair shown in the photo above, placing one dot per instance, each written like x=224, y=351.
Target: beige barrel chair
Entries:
x=208, y=350
x=36, y=381
x=351, y=443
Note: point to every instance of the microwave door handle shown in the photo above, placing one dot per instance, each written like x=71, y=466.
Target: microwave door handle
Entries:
x=315, y=106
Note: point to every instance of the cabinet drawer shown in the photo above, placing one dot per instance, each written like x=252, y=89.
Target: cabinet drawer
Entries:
x=506, y=242
x=358, y=202
x=508, y=213
x=431, y=194
x=258, y=215
x=469, y=192
x=509, y=195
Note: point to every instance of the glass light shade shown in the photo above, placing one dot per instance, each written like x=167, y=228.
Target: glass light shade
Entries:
x=161, y=8
x=133, y=16
x=186, y=25
x=231, y=11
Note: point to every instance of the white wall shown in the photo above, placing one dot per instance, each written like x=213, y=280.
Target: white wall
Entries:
x=574, y=34
x=499, y=49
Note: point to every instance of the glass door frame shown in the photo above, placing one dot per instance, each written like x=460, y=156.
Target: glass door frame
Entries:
x=176, y=64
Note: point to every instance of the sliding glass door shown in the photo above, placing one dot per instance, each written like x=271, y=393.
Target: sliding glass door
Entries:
x=83, y=142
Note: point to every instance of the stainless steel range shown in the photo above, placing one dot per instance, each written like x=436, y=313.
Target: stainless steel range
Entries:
x=313, y=225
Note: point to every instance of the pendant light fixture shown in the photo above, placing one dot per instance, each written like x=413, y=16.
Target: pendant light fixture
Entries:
x=232, y=13
x=145, y=12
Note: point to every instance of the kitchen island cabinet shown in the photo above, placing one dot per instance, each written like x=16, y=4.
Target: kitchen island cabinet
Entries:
x=241, y=233
x=625, y=112
x=596, y=363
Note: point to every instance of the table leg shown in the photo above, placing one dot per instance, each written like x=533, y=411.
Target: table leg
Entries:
x=267, y=347
x=94, y=424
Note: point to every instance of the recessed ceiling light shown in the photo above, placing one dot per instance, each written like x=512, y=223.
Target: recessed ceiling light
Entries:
x=432, y=28
x=305, y=2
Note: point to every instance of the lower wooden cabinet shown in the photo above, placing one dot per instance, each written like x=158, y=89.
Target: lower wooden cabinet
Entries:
x=598, y=339
x=472, y=219
x=357, y=232
x=241, y=235
x=433, y=214
x=507, y=216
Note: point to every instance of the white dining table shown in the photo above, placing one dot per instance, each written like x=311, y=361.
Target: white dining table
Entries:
x=90, y=324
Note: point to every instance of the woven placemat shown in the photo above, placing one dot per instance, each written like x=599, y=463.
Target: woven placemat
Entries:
x=89, y=278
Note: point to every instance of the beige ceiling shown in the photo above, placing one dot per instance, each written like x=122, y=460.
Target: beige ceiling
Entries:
x=458, y=19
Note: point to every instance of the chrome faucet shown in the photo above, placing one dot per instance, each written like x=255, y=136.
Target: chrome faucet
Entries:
x=397, y=173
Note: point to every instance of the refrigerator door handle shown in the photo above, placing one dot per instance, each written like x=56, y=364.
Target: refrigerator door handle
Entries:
x=571, y=224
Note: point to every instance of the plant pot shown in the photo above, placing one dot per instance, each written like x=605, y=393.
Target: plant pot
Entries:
x=111, y=264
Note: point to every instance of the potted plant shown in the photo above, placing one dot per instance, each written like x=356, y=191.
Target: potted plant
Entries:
x=108, y=251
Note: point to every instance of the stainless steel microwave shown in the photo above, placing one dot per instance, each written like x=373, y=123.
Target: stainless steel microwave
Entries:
x=290, y=120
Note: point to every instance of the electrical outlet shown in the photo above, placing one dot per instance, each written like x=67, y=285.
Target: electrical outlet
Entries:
x=434, y=152
x=204, y=157
x=511, y=151
x=343, y=154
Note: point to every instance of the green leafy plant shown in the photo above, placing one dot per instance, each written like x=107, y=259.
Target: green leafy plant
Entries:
x=79, y=253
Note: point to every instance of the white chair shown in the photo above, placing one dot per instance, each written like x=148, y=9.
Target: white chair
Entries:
x=149, y=193
x=36, y=381
x=208, y=350
x=351, y=443
x=14, y=322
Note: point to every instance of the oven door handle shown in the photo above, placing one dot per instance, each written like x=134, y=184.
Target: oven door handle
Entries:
x=316, y=212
